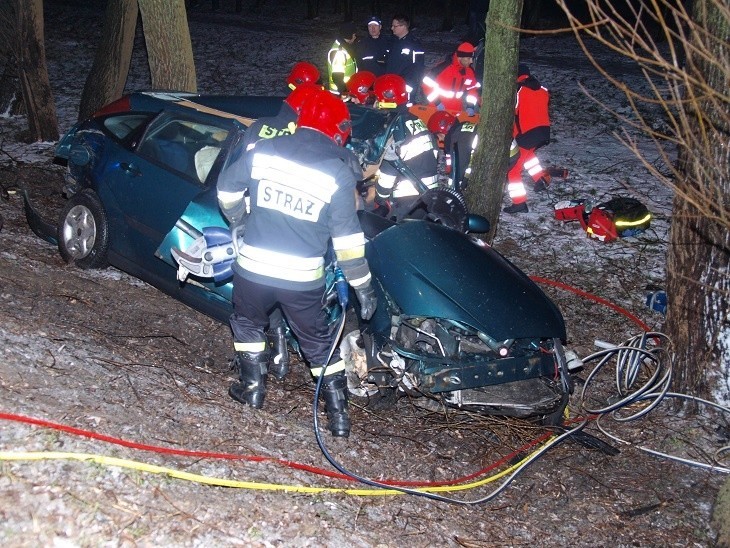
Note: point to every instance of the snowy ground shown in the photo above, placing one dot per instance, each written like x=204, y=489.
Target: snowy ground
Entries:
x=73, y=351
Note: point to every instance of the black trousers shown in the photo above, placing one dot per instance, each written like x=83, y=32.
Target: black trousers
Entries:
x=253, y=302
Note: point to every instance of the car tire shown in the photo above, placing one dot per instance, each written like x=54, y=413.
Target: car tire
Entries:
x=83, y=231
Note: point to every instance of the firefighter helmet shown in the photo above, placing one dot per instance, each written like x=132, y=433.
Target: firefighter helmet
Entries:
x=298, y=96
x=326, y=113
x=302, y=73
x=441, y=122
x=390, y=91
x=359, y=85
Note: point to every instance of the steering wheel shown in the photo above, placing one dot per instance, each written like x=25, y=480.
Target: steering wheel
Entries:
x=442, y=206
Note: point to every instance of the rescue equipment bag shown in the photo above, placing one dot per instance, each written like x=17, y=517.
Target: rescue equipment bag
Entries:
x=617, y=218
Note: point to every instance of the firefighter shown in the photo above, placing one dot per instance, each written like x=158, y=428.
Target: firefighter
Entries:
x=341, y=62
x=414, y=145
x=360, y=87
x=302, y=73
x=406, y=56
x=302, y=195
x=284, y=123
x=459, y=142
x=452, y=85
x=531, y=130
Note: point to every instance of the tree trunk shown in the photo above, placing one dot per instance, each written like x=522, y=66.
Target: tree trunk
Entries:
x=312, y=9
x=33, y=73
x=491, y=158
x=108, y=75
x=169, y=49
x=698, y=265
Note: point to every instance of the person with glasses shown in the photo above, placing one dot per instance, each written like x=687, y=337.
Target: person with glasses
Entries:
x=406, y=56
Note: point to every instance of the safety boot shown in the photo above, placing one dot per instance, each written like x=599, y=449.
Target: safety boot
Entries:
x=334, y=393
x=516, y=208
x=279, y=361
x=251, y=389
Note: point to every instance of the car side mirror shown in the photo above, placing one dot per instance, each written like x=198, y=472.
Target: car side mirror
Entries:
x=477, y=224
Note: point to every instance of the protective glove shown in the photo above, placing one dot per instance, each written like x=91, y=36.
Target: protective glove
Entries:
x=368, y=301
x=470, y=111
x=440, y=106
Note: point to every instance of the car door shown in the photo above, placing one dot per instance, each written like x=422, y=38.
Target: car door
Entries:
x=153, y=182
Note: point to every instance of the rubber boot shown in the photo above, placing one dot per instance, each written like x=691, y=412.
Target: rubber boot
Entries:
x=334, y=393
x=279, y=362
x=251, y=389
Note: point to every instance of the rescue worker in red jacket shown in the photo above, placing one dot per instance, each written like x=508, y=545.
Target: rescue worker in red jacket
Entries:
x=302, y=196
x=452, y=85
x=414, y=145
x=531, y=131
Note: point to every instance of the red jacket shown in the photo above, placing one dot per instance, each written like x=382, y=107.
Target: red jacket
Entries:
x=532, y=120
x=452, y=85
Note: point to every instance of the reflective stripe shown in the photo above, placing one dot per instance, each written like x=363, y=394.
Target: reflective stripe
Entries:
x=535, y=170
x=516, y=190
x=638, y=222
x=349, y=241
x=532, y=162
x=227, y=197
x=431, y=97
x=249, y=347
x=331, y=369
x=280, y=265
x=361, y=281
x=471, y=100
x=429, y=81
x=280, y=170
x=350, y=254
x=415, y=147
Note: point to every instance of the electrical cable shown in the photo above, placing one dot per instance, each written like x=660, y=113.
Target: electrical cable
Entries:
x=427, y=493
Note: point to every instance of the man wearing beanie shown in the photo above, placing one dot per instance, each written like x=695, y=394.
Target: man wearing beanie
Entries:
x=452, y=85
x=373, y=48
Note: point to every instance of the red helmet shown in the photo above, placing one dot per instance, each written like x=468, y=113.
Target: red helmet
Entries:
x=302, y=73
x=300, y=94
x=359, y=85
x=441, y=122
x=326, y=113
x=390, y=91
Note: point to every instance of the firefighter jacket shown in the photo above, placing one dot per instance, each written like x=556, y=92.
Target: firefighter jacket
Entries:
x=371, y=54
x=302, y=194
x=418, y=149
x=459, y=145
x=341, y=65
x=452, y=85
x=532, y=120
x=406, y=59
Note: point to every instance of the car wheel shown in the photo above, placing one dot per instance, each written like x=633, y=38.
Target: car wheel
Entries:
x=83, y=231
